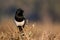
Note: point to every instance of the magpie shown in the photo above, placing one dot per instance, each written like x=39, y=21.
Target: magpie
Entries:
x=20, y=20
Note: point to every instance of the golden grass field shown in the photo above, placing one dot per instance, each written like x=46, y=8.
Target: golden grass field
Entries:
x=32, y=31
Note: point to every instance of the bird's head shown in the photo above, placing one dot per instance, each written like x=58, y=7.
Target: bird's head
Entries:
x=19, y=12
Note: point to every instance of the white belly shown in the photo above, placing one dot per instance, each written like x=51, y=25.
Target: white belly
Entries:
x=20, y=23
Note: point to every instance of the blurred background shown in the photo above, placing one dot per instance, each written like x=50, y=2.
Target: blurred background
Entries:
x=34, y=10
x=43, y=19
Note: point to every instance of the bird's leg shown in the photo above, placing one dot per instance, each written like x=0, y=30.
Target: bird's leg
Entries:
x=21, y=30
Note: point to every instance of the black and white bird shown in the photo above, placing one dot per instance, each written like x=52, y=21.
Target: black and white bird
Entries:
x=20, y=20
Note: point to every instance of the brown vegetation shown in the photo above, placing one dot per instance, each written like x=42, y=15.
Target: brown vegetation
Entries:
x=32, y=31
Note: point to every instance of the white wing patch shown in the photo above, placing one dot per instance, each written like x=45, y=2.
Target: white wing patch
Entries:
x=20, y=23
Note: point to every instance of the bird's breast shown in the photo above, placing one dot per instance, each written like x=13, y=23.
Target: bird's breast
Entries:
x=20, y=23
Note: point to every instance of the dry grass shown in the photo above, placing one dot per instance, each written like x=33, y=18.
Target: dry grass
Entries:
x=32, y=31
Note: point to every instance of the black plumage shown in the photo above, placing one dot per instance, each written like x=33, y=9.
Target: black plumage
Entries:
x=19, y=18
